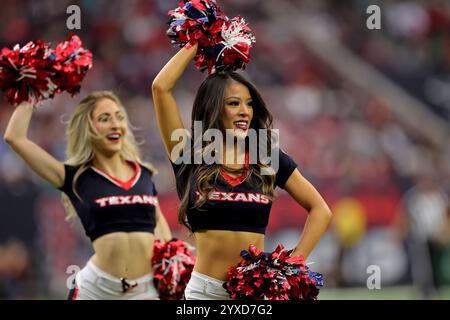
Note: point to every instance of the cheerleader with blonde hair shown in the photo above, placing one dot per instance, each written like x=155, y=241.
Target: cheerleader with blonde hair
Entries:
x=106, y=184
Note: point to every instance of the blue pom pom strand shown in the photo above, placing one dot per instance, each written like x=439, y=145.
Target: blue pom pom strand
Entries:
x=317, y=277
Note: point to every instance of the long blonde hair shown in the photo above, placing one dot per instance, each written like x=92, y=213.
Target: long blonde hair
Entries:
x=81, y=134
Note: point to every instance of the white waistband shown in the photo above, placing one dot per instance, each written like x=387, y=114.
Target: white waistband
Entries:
x=204, y=277
x=94, y=283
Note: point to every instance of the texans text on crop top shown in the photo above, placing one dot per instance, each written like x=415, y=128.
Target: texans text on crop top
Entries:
x=107, y=205
x=234, y=206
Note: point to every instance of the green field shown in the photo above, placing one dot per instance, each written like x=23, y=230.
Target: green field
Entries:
x=386, y=293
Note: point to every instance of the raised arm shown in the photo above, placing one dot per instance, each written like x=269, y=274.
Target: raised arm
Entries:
x=37, y=158
x=319, y=214
x=166, y=109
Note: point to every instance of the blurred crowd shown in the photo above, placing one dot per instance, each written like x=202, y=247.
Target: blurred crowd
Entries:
x=387, y=185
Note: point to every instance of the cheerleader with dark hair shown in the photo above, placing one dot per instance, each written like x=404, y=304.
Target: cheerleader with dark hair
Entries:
x=226, y=204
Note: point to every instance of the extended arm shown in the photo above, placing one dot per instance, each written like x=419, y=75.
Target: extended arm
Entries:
x=166, y=108
x=37, y=158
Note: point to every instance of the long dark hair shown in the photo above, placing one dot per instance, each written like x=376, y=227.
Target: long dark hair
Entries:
x=207, y=108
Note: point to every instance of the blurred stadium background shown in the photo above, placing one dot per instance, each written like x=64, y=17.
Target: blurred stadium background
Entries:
x=365, y=113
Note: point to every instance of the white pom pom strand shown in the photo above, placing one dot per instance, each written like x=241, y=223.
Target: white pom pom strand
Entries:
x=234, y=34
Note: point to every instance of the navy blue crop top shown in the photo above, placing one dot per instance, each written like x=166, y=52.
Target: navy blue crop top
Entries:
x=238, y=208
x=107, y=205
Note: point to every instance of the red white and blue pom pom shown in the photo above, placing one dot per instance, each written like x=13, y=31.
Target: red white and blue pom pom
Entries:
x=73, y=62
x=37, y=72
x=173, y=263
x=224, y=44
x=272, y=276
x=25, y=73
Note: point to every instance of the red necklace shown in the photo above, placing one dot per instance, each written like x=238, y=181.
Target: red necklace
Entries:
x=234, y=181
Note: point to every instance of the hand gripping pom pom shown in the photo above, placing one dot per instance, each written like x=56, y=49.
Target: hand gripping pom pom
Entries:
x=173, y=263
x=37, y=72
x=272, y=276
x=224, y=44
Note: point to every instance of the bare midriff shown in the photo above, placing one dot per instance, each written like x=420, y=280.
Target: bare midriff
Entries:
x=217, y=250
x=124, y=254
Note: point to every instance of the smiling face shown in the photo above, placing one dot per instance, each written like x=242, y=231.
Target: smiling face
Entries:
x=237, y=112
x=110, y=124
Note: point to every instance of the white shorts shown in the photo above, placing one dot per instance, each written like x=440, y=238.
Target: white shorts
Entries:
x=203, y=287
x=91, y=283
